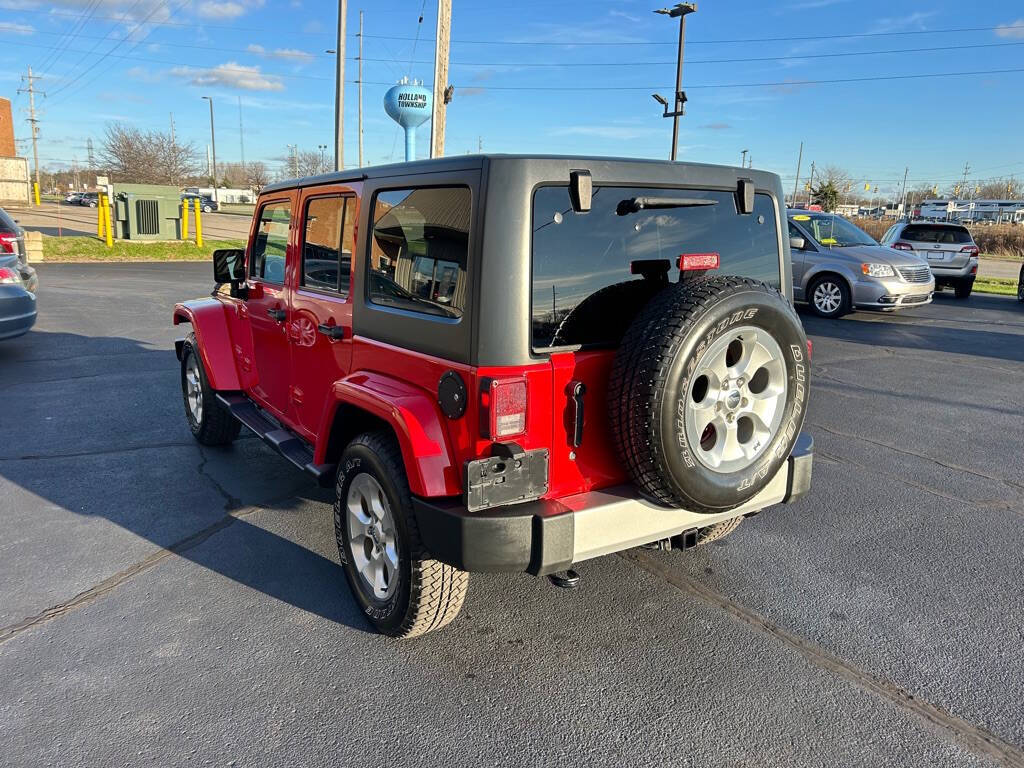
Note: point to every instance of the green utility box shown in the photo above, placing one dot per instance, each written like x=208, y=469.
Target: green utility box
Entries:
x=146, y=212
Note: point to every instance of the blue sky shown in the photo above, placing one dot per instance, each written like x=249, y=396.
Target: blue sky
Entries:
x=140, y=60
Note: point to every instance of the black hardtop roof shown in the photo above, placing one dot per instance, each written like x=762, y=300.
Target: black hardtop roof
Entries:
x=469, y=162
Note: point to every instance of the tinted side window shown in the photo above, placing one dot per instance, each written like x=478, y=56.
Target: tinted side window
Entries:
x=271, y=244
x=419, y=248
x=327, y=243
x=576, y=255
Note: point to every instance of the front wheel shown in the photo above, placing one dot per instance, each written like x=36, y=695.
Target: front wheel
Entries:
x=829, y=296
x=211, y=423
x=398, y=586
x=207, y=209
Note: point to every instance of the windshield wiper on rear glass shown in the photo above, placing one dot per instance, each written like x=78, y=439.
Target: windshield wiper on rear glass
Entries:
x=634, y=204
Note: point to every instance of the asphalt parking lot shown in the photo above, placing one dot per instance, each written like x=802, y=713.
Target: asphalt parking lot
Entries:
x=164, y=604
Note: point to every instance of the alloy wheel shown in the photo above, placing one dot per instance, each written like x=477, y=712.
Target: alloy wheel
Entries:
x=736, y=399
x=372, y=538
x=828, y=297
x=194, y=389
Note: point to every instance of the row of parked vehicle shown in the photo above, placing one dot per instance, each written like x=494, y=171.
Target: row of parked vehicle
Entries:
x=18, y=280
x=91, y=200
x=837, y=267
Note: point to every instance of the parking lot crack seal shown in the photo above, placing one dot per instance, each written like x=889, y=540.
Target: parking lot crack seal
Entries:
x=113, y=582
x=972, y=736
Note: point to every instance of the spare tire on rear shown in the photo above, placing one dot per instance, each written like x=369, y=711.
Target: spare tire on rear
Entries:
x=708, y=391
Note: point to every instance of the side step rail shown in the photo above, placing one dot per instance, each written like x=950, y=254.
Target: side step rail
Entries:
x=282, y=440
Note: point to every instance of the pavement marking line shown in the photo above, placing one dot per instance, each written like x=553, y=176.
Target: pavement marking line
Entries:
x=113, y=582
x=974, y=737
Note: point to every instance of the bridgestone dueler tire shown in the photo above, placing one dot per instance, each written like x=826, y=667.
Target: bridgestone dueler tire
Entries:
x=217, y=426
x=651, y=375
x=604, y=316
x=430, y=593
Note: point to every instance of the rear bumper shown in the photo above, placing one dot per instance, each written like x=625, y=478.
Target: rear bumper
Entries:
x=17, y=311
x=548, y=535
x=970, y=270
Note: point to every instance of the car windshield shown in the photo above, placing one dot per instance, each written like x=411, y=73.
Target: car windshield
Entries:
x=833, y=230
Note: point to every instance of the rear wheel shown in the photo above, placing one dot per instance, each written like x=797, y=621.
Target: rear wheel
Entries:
x=398, y=586
x=963, y=288
x=829, y=296
x=211, y=423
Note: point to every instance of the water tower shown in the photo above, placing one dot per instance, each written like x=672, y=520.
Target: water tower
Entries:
x=409, y=105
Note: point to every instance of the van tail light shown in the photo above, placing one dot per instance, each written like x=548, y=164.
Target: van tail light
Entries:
x=689, y=262
x=971, y=249
x=9, y=277
x=7, y=242
x=503, y=407
x=902, y=246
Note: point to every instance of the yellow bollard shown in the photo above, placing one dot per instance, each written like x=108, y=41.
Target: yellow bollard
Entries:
x=100, y=221
x=35, y=188
x=110, y=227
x=199, y=227
x=184, y=219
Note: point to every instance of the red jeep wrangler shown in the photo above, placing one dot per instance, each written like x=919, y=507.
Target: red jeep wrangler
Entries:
x=510, y=363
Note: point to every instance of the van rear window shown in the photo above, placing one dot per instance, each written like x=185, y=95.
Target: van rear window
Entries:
x=577, y=254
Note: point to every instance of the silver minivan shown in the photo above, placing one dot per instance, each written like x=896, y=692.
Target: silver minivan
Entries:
x=838, y=267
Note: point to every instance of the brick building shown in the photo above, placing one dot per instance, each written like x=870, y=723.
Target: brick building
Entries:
x=6, y=129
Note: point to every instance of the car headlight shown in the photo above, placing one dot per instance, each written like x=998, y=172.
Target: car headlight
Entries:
x=877, y=270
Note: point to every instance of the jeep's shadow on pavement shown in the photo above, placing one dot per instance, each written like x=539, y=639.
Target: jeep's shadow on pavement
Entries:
x=915, y=330
x=113, y=444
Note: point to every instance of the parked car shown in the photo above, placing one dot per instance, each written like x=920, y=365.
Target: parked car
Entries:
x=837, y=267
x=947, y=248
x=510, y=363
x=17, y=300
x=206, y=204
x=73, y=198
x=89, y=199
x=12, y=241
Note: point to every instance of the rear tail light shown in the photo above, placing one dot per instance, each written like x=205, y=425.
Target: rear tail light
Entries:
x=9, y=276
x=902, y=246
x=693, y=261
x=971, y=249
x=7, y=242
x=504, y=403
x=974, y=269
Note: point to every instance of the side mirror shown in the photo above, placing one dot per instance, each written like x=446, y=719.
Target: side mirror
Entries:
x=229, y=267
x=797, y=242
x=581, y=190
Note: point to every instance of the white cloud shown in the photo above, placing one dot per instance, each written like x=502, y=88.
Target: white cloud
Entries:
x=16, y=29
x=1013, y=29
x=280, y=53
x=231, y=75
x=211, y=9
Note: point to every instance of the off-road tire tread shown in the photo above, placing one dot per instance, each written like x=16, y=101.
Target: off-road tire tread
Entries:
x=436, y=590
x=219, y=427
x=718, y=531
x=639, y=375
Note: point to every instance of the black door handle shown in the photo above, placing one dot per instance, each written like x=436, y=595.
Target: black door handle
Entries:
x=277, y=314
x=578, y=390
x=333, y=332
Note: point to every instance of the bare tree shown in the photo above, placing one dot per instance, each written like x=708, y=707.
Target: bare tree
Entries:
x=146, y=158
x=309, y=163
x=258, y=175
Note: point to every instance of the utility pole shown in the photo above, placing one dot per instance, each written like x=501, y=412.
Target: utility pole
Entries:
x=796, y=182
x=442, y=91
x=967, y=170
x=34, y=122
x=323, y=161
x=174, y=151
x=680, y=11
x=172, y=127
x=360, y=81
x=241, y=135
x=339, y=89
x=810, y=184
x=903, y=201
x=213, y=145
x=750, y=160
x=89, y=153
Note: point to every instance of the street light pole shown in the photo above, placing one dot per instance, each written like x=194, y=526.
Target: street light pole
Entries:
x=339, y=89
x=743, y=158
x=213, y=145
x=680, y=11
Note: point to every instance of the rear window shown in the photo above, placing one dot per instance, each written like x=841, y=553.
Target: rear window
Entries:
x=577, y=254
x=925, y=233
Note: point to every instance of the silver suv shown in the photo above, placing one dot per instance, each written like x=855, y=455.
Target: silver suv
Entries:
x=948, y=249
x=838, y=267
